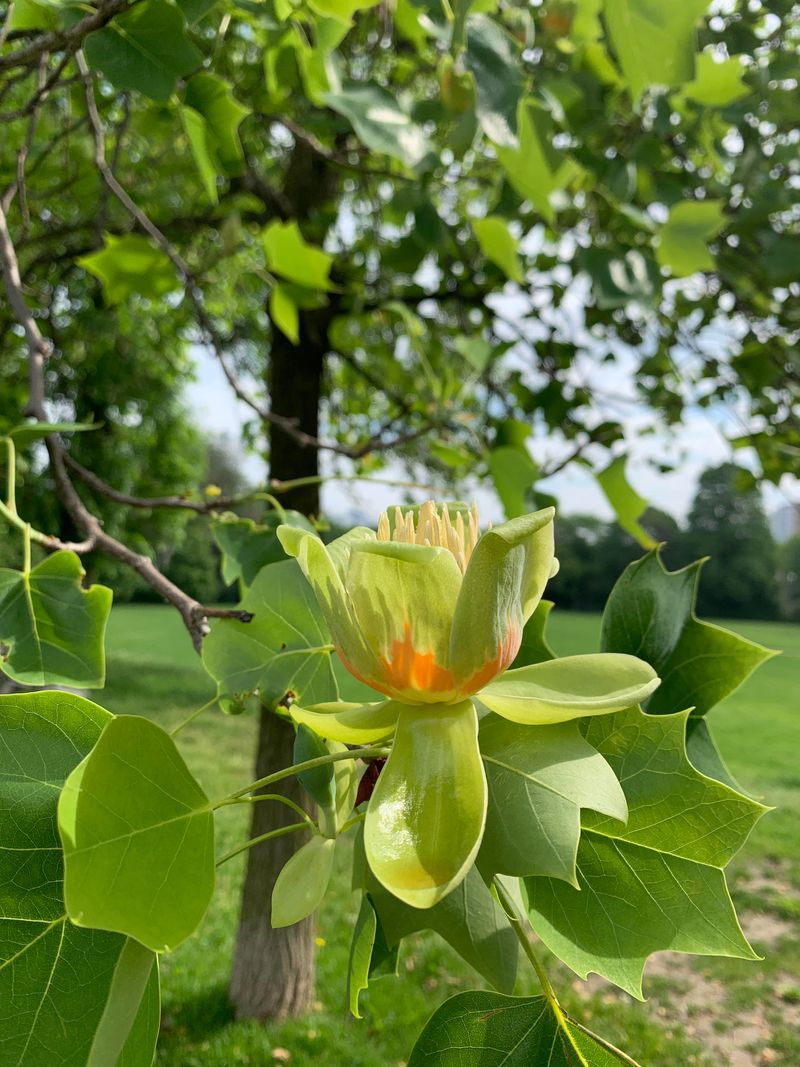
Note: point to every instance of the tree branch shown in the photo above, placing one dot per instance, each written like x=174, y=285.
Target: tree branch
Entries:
x=70, y=37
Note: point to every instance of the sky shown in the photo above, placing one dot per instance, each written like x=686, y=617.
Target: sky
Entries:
x=699, y=444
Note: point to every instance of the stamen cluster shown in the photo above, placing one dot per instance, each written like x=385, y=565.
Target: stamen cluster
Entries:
x=433, y=528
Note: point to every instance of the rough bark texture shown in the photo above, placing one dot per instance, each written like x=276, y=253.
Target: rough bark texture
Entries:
x=273, y=972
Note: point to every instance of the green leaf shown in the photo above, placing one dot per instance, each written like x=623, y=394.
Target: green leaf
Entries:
x=625, y=501
x=283, y=312
x=492, y=56
x=499, y=245
x=212, y=98
x=195, y=10
x=535, y=648
x=197, y=133
x=30, y=432
x=536, y=169
x=705, y=756
x=469, y=919
x=380, y=123
x=285, y=648
x=656, y=883
x=501, y=1031
x=426, y=816
x=360, y=958
x=476, y=351
x=570, y=687
x=47, y=1017
x=618, y=279
x=52, y=630
x=341, y=10
x=682, y=238
x=654, y=42
x=289, y=255
x=138, y=837
x=650, y=613
x=145, y=48
x=513, y=474
x=131, y=264
x=247, y=546
x=538, y=782
x=717, y=83
x=302, y=883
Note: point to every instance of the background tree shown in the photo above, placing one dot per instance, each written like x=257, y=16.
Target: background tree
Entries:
x=402, y=233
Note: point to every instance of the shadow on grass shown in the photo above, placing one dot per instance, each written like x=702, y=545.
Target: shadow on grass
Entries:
x=198, y=1016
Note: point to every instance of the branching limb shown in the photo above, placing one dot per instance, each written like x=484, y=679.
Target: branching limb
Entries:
x=58, y=40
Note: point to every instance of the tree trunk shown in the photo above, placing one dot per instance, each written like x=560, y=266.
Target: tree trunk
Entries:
x=273, y=971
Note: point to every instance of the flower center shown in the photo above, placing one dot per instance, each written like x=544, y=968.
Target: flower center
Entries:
x=434, y=527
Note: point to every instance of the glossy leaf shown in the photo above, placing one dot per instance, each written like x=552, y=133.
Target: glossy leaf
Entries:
x=492, y=59
x=426, y=816
x=539, y=779
x=495, y=1030
x=650, y=613
x=656, y=883
x=144, y=48
x=353, y=724
x=302, y=883
x=654, y=43
x=380, y=124
x=247, y=546
x=47, y=1018
x=285, y=648
x=138, y=837
x=625, y=501
x=52, y=630
x=292, y=257
x=684, y=236
x=536, y=169
x=570, y=687
x=131, y=264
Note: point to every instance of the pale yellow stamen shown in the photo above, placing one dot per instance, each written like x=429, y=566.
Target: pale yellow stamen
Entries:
x=434, y=529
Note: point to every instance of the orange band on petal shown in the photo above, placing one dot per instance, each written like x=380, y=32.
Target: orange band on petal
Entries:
x=506, y=654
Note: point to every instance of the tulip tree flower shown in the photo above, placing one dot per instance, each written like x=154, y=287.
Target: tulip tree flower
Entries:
x=430, y=613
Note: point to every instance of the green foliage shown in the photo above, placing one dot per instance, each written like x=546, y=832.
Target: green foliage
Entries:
x=683, y=239
x=131, y=264
x=51, y=628
x=293, y=258
x=380, y=124
x=303, y=882
x=508, y=1031
x=42, y=954
x=138, y=837
x=247, y=546
x=499, y=245
x=625, y=501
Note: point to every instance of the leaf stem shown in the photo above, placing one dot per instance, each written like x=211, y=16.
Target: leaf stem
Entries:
x=280, y=832
x=190, y=718
x=373, y=751
x=522, y=928
x=281, y=800
x=26, y=549
x=11, y=476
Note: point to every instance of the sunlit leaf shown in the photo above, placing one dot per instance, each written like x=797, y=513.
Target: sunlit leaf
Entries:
x=513, y=474
x=716, y=83
x=247, y=546
x=492, y=58
x=52, y=630
x=624, y=499
x=212, y=98
x=499, y=245
x=301, y=885
x=380, y=124
x=683, y=238
x=289, y=255
x=131, y=264
x=283, y=312
x=29, y=432
x=536, y=169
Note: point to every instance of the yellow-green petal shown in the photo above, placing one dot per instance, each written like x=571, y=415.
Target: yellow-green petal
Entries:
x=570, y=688
x=426, y=817
x=353, y=724
x=404, y=598
x=504, y=582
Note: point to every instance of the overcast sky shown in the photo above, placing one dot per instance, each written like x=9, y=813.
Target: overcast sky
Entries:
x=699, y=442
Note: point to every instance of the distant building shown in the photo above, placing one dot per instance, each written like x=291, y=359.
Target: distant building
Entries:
x=785, y=522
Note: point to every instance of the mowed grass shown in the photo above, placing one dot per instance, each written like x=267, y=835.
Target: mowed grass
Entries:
x=695, y=1007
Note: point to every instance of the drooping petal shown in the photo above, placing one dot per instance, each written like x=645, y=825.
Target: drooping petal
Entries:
x=404, y=597
x=570, y=688
x=426, y=817
x=323, y=571
x=353, y=724
x=503, y=584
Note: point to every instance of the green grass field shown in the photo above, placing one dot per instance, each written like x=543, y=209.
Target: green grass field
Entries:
x=700, y=1011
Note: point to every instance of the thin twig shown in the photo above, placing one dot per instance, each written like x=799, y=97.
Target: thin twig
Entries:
x=58, y=40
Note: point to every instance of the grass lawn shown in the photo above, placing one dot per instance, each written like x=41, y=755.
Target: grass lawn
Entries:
x=701, y=1011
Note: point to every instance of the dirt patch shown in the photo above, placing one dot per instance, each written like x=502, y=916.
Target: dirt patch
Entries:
x=764, y=928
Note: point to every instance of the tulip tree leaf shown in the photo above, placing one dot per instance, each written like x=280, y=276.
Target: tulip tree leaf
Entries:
x=469, y=919
x=625, y=501
x=619, y=279
x=495, y=1030
x=289, y=255
x=145, y=48
x=131, y=264
x=535, y=647
x=302, y=883
x=650, y=614
x=138, y=837
x=716, y=84
x=493, y=59
x=538, y=782
x=499, y=245
x=211, y=98
x=47, y=1017
x=370, y=956
x=380, y=124
x=51, y=629
x=535, y=169
x=683, y=237
x=656, y=883
x=513, y=474
x=654, y=42
x=286, y=647
x=341, y=10
x=247, y=546
x=30, y=432
x=283, y=312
